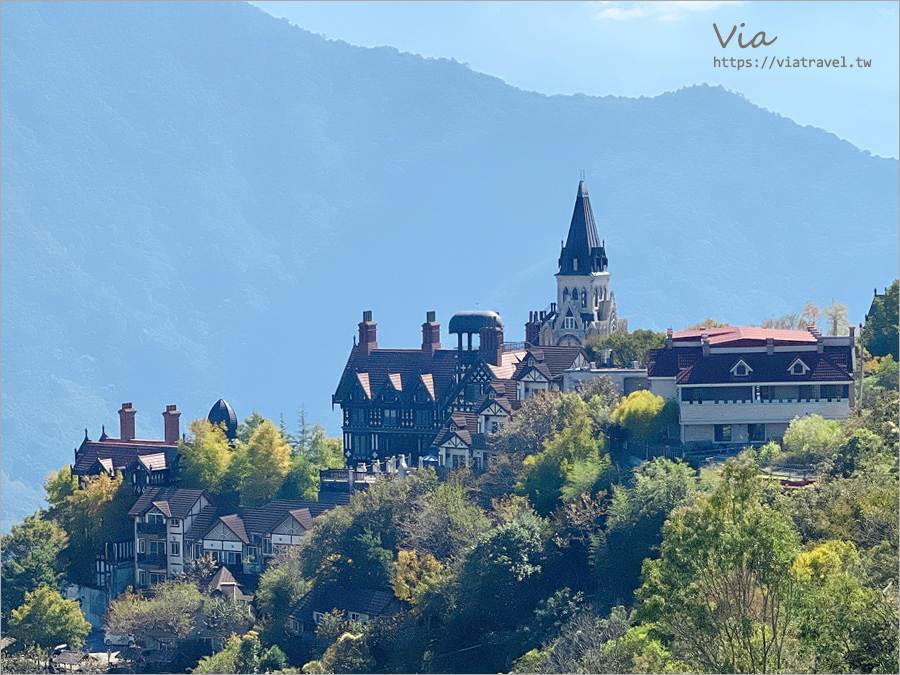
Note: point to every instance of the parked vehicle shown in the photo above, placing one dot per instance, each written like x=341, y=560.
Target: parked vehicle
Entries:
x=118, y=639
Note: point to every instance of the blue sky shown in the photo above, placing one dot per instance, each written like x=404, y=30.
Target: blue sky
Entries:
x=646, y=48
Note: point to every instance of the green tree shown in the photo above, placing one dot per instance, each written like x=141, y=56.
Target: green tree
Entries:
x=626, y=347
x=812, y=437
x=640, y=413
x=722, y=588
x=843, y=626
x=205, y=457
x=269, y=458
x=30, y=559
x=571, y=461
x=414, y=575
x=90, y=516
x=880, y=332
x=173, y=611
x=45, y=620
x=243, y=654
x=350, y=653
x=280, y=588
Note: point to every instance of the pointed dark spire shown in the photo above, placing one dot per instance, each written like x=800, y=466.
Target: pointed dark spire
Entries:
x=582, y=253
x=103, y=435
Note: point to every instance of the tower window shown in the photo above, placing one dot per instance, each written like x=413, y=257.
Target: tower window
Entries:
x=575, y=264
x=565, y=294
x=570, y=322
x=583, y=298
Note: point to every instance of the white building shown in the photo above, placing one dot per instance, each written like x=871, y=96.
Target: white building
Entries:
x=743, y=385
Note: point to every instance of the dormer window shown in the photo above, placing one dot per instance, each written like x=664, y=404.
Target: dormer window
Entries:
x=798, y=368
x=570, y=322
x=741, y=369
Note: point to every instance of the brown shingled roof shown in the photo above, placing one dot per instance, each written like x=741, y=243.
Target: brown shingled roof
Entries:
x=177, y=501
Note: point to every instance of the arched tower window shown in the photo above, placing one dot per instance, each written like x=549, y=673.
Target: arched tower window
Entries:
x=565, y=294
x=583, y=298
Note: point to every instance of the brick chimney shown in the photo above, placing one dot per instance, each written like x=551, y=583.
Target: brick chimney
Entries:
x=491, y=344
x=367, y=339
x=770, y=346
x=533, y=329
x=126, y=422
x=173, y=432
x=670, y=338
x=431, y=334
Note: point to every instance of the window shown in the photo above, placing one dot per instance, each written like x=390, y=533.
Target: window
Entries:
x=423, y=418
x=583, y=298
x=318, y=617
x=198, y=550
x=174, y=548
x=565, y=294
x=267, y=546
x=157, y=547
x=157, y=579
x=741, y=369
x=143, y=578
x=723, y=433
x=391, y=417
x=798, y=368
x=175, y=522
x=831, y=391
x=156, y=518
x=575, y=264
x=473, y=392
x=756, y=433
x=495, y=427
x=142, y=545
x=295, y=626
x=358, y=416
x=570, y=322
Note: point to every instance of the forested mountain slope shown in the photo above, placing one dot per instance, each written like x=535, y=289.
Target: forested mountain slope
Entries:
x=199, y=200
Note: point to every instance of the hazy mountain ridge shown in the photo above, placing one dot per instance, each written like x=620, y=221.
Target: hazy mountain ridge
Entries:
x=199, y=200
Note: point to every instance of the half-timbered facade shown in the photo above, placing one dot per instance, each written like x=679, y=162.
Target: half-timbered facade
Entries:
x=404, y=401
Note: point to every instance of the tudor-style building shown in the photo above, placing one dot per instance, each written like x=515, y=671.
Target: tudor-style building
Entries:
x=585, y=305
x=144, y=463
x=440, y=403
x=741, y=385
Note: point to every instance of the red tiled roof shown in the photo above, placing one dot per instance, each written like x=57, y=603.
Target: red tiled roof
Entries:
x=746, y=335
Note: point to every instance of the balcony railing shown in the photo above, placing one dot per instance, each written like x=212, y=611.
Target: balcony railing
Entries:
x=152, y=560
x=158, y=529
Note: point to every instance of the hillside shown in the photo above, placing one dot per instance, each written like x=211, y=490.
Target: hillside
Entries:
x=199, y=200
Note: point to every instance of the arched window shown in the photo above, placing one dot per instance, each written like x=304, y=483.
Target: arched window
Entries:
x=583, y=298
x=565, y=294
x=596, y=297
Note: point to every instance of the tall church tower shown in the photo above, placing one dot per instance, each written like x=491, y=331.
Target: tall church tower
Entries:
x=584, y=305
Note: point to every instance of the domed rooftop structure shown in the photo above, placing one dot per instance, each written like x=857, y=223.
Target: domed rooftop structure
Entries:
x=473, y=322
x=222, y=413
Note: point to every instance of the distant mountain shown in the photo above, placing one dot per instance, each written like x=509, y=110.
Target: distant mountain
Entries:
x=199, y=200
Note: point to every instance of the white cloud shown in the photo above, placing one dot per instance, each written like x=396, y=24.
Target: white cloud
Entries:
x=662, y=11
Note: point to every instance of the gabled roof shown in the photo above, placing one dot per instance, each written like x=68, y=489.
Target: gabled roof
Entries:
x=236, y=524
x=154, y=462
x=172, y=501
x=224, y=582
x=365, y=601
x=716, y=369
x=386, y=368
x=262, y=520
x=550, y=361
x=202, y=523
x=120, y=454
